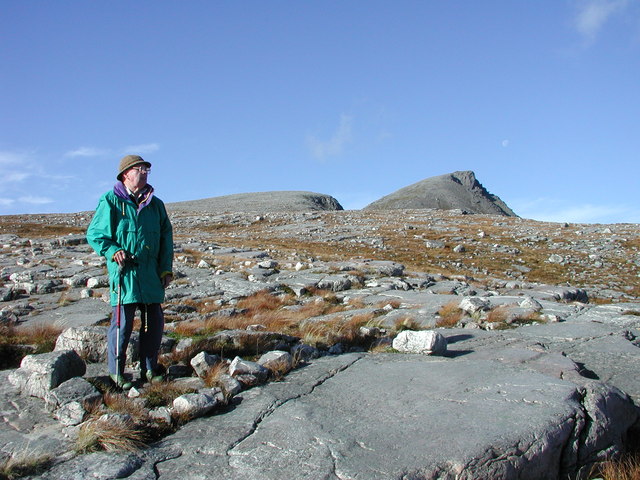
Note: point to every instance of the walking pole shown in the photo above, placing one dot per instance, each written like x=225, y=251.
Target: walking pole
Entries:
x=119, y=307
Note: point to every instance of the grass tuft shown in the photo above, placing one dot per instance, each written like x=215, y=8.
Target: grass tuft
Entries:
x=111, y=436
x=15, y=343
x=449, y=315
x=163, y=394
x=25, y=463
x=625, y=468
x=211, y=378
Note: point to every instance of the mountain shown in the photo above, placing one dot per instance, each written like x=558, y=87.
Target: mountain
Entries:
x=457, y=190
x=278, y=201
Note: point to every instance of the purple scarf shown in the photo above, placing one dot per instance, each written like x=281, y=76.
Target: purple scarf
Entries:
x=145, y=196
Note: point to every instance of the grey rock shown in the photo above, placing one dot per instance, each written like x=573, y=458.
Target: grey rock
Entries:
x=277, y=361
x=179, y=370
x=184, y=344
x=97, y=466
x=532, y=304
x=247, y=372
x=89, y=342
x=545, y=432
x=162, y=414
x=76, y=389
x=472, y=305
x=304, y=352
x=6, y=294
x=459, y=249
x=71, y=414
x=229, y=385
x=194, y=405
x=40, y=373
x=434, y=244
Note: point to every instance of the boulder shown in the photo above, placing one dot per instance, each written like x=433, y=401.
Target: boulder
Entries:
x=202, y=362
x=40, y=373
x=192, y=405
x=472, y=305
x=89, y=342
x=426, y=342
x=248, y=373
x=277, y=361
x=75, y=389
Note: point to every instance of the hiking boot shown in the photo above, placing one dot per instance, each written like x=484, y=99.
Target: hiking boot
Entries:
x=120, y=381
x=153, y=377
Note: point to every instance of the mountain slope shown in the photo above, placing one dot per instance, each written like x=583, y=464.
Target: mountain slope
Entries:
x=278, y=201
x=457, y=190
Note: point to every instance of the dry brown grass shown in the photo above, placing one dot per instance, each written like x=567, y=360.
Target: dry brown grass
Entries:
x=163, y=394
x=211, y=378
x=324, y=333
x=42, y=337
x=533, y=317
x=120, y=403
x=265, y=309
x=498, y=315
x=449, y=315
x=626, y=468
x=405, y=323
x=264, y=300
x=395, y=304
x=110, y=436
x=37, y=226
x=26, y=462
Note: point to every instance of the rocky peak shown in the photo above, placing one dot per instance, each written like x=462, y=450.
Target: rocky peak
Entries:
x=453, y=191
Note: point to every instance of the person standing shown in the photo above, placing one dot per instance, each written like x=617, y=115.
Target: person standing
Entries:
x=132, y=230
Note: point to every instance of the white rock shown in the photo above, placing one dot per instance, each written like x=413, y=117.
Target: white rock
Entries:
x=202, y=362
x=161, y=413
x=531, y=303
x=194, y=404
x=427, y=342
x=472, y=305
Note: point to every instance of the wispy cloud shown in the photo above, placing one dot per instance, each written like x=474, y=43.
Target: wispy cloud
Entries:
x=592, y=15
x=33, y=200
x=86, y=152
x=321, y=149
x=555, y=210
x=141, y=149
x=15, y=167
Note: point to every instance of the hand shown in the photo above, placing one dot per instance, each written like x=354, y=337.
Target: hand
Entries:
x=166, y=280
x=120, y=257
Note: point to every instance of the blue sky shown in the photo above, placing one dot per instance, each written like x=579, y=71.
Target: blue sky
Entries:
x=355, y=99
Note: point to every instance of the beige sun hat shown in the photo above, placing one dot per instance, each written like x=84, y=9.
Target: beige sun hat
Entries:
x=130, y=161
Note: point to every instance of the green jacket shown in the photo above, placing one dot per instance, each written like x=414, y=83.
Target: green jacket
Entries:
x=143, y=231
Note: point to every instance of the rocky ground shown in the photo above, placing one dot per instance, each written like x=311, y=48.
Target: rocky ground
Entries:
x=535, y=381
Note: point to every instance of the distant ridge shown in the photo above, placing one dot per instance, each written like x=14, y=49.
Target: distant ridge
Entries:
x=277, y=201
x=457, y=190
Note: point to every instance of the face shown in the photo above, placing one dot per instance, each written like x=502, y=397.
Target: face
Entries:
x=136, y=177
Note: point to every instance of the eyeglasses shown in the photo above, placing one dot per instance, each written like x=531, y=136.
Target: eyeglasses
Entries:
x=146, y=170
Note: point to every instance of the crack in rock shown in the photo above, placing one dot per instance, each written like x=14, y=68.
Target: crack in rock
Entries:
x=268, y=411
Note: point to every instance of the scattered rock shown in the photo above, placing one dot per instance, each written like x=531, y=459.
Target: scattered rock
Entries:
x=427, y=342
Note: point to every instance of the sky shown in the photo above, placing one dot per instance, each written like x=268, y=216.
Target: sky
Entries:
x=350, y=98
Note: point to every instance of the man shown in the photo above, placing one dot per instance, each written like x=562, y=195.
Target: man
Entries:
x=131, y=229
